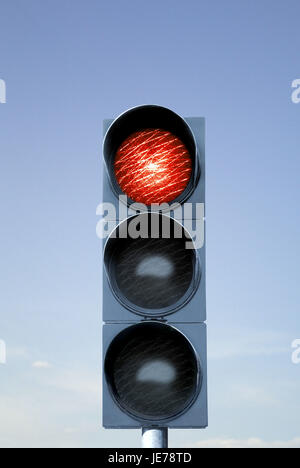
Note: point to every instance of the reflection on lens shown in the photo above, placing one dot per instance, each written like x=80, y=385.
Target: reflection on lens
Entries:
x=157, y=371
x=152, y=371
x=154, y=282
x=155, y=266
x=153, y=166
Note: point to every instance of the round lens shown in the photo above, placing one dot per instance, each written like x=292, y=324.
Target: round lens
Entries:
x=153, y=166
x=152, y=273
x=152, y=371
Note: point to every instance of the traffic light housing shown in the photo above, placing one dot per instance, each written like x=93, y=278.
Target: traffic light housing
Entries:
x=153, y=282
x=172, y=374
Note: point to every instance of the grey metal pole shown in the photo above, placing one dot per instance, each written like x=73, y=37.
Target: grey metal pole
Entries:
x=155, y=437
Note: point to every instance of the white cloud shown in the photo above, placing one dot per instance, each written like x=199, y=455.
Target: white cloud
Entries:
x=41, y=365
x=71, y=430
x=253, y=442
x=60, y=408
x=20, y=422
x=17, y=353
x=77, y=382
x=245, y=343
x=30, y=423
x=254, y=395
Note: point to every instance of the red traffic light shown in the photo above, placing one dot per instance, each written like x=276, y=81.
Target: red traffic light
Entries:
x=153, y=166
x=153, y=282
x=151, y=157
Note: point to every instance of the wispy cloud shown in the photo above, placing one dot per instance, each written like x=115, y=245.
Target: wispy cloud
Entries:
x=243, y=343
x=253, y=442
x=60, y=408
x=17, y=353
x=79, y=382
x=41, y=365
x=253, y=395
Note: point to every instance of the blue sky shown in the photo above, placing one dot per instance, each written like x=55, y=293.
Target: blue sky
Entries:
x=68, y=64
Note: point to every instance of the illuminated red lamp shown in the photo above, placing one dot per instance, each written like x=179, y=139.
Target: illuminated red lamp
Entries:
x=153, y=166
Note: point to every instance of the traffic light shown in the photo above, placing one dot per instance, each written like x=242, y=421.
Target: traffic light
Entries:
x=153, y=283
